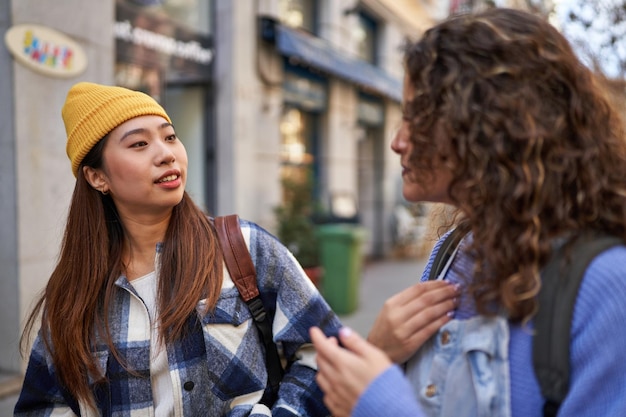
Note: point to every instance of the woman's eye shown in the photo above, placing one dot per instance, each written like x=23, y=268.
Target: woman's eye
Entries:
x=171, y=138
x=138, y=144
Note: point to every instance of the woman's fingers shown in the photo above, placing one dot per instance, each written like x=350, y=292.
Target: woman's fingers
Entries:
x=345, y=372
x=374, y=357
x=335, y=377
x=406, y=321
x=417, y=290
x=326, y=347
x=355, y=353
x=412, y=312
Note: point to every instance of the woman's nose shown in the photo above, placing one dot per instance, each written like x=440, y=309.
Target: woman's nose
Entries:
x=399, y=141
x=165, y=155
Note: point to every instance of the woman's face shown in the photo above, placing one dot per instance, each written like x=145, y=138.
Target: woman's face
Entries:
x=144, y=167
x=436, y=190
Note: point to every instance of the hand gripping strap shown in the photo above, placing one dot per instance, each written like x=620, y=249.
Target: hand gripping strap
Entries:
x=445, y=251
x=242, y=272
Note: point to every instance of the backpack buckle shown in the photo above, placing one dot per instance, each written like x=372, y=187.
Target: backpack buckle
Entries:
x=257, y=309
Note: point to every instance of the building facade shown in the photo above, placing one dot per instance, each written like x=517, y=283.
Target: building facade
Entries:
x=258, y=91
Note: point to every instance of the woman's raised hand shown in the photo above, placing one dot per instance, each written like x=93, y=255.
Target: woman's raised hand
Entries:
x=410, y=317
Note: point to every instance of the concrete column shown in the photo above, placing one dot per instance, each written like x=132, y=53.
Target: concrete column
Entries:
x=9, y=273
x=44, y=181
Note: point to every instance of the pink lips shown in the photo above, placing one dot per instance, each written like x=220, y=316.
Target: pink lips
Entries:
x=171, y=179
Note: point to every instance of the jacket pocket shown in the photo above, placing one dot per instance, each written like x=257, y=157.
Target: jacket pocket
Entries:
x=236, y=359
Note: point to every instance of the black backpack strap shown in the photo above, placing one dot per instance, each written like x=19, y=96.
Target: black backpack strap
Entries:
x=445, y=252
x=560, y=281
x=241, y=269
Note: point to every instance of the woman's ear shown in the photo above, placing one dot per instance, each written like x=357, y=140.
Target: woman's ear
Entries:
x=96, y=178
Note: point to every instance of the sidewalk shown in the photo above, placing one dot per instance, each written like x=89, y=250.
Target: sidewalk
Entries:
x=379, y=281
x=6, y=405
x=8, y=396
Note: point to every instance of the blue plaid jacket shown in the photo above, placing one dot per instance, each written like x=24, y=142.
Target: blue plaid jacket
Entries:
x=218, y=369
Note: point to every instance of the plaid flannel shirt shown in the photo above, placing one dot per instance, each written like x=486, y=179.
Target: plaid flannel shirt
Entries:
x=218, y=369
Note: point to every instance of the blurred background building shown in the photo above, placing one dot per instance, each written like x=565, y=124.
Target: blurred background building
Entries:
x=260, y=92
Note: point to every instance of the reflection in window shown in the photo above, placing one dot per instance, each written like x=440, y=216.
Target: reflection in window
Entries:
x=297, y=161
x=193, y=14
x=293, y=130
x=135, y=77
x=295, y=152
x=366, y=36
x=298, y=13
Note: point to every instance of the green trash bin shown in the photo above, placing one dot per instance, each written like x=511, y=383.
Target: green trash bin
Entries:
x=342, y=260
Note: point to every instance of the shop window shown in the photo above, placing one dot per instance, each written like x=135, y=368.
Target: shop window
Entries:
x=296, y=150
x=367, y=38
x=145, y=58
x=299, y=14
x=186, y=107
x=299, y=148
x=192, y=14
x=305, y=100
x=136, y=77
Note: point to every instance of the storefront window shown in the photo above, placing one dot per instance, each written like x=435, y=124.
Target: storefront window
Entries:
x=153, y=49
x=146, y=79
x=185, y=105
x=305, y=100
x=366, y=36
x=298, y=13
x=193, y=14
x=296, y=144
x=164, y=48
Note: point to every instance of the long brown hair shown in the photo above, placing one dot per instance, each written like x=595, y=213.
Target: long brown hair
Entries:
x=78, y=295
x=535, y=150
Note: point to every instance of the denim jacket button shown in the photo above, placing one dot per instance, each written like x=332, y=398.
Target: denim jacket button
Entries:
x=445, y=337
x=431, y=390
x=188, y=386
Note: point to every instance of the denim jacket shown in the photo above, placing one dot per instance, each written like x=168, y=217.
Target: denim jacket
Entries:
x=463, y=371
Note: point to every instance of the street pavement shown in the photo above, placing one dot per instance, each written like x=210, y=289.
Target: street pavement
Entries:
x=6, y=405
x=8, y=385
x=379, y=280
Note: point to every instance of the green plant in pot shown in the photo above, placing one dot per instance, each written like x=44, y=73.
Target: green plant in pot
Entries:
x=295, y=227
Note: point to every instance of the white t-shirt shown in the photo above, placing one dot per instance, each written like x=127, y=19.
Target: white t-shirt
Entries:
x=162, y=388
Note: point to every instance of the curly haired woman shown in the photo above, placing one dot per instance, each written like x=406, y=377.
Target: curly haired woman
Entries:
x=502, y=121
x=139, y=316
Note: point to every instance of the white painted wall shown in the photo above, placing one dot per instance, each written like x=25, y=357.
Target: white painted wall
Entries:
x=44, y=178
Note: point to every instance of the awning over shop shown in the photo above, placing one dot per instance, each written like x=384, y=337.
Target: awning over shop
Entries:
x=317, y=53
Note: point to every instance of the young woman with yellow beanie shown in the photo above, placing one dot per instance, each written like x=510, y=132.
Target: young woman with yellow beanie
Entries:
x=139, y=316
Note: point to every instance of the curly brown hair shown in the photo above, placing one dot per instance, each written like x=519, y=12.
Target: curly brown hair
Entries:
x=535, y=150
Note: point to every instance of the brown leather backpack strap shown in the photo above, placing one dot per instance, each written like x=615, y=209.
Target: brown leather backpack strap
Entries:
x=243, y=273
x=237, y=256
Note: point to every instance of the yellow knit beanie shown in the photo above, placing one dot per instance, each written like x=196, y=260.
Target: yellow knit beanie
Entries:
x=91, y=111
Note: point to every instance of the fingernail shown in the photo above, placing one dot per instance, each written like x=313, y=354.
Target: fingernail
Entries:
x=345, y=332
x=450, y=313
